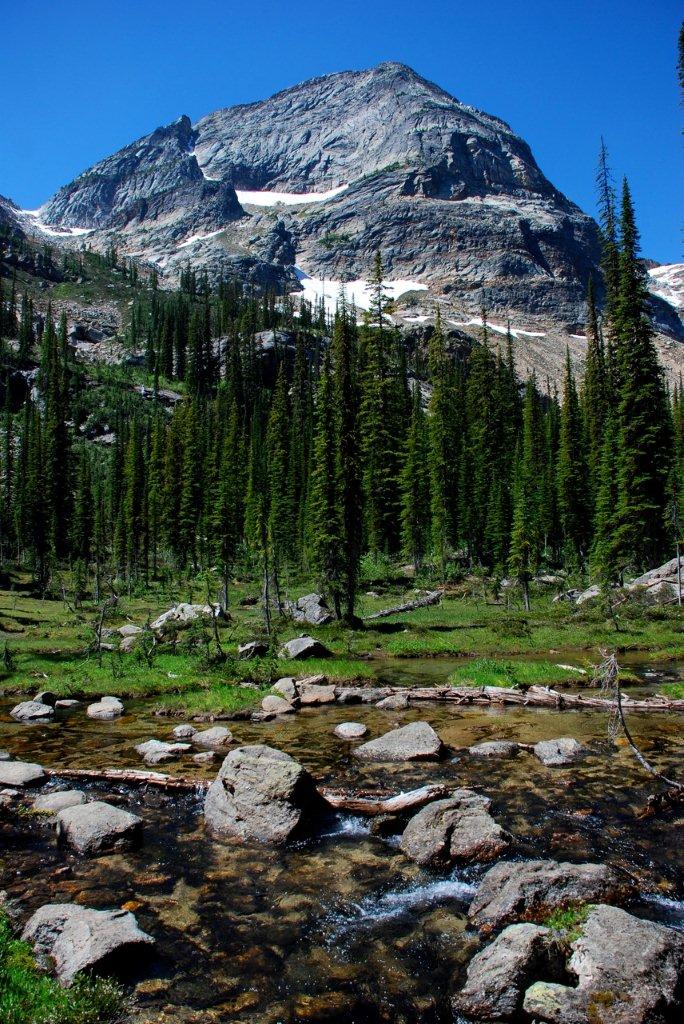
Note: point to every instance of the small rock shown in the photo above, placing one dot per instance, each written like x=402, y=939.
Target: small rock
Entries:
x=77, y=938
x=350, y=730
x=499, y=974
x=129, y=629
x=564, y=750
x=276, y=705
x=128, y=644
x=532, y=889
x=456, y=830
x=206, y=757
x=417, y=741
x=20, y=773
x=216, y=737
x=68, y=702
x=184, y=732
x=312, y=693
x=303, y=647
x=252, y=649
x=259, y=794
x=286, y=688
x=106, y=708
x=495, y=748
x=50, y=803
x=5, y=755
x=158, y=752
x=98, y=827
x=395, y=702
x=32, y=711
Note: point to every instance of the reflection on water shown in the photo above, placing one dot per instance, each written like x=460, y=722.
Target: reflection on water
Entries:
x=340, y=927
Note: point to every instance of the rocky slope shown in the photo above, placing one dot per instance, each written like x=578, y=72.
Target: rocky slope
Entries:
x=304, y=187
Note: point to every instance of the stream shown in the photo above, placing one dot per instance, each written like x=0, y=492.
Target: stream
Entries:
x=340, y=926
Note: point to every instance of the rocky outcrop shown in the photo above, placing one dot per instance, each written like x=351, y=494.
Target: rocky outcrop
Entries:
x=417, y=741
x=499, y=974
x=627, y=970
x=459, y=829
x=260, y=794
x=530, y=890
x=74, y=938
x=98, y=827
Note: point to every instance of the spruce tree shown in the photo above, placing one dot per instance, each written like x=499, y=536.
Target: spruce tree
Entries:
x=571, y=474
x=325, y=510
x=415, y=486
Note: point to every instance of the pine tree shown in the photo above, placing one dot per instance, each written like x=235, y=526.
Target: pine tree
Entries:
x=443, y=465
x=281, y=521
x=415, y=486
x=595, y=395
x=526, y=534
x=571, y=474
x=325, y=510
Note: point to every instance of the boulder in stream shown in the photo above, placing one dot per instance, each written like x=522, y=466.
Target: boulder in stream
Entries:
x=260, y=794
x=52, y=803
x=98, y=827
x=627, y=970
x=215, y=738
x=350, y=730
x=184, y=732
x=499, y=974
x=106, y=708
x=459, y=829
x=158, y=752
x=561, y=751
x=495, y=748
x=530, y=890
x=417, y=741
x=395, y=702
x=77, y=938
x=273, y=705
x=32, y=711
x=20, y=773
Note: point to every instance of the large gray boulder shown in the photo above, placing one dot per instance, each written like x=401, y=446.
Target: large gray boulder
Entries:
x=458, y=829
x=32, y=711
x=303, y=647
x=52, y=803
x=417, y=741
x=561, y=751
x=315, y=693
x=183, y=615
x=98, y=827
x=20, y=773
x=105, y=709
x=77, y=938
x=499, y=974
x=260, y=794
x=530, y=890
x=628, y=972
x=310, y=609
x=273, y=705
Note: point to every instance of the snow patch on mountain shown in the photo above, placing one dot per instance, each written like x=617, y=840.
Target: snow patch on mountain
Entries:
x=358, y=292
x=287, y=198
x=53, y=232
x=517, y=332
x=667, y=282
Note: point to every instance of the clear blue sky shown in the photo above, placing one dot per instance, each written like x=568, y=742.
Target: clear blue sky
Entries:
x=84, y=77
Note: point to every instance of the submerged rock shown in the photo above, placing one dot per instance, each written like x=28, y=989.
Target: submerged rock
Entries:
x=499, y=974
x=564, y=750
x=303, y=647
x=395, y=702
x=350, y=730
x=78, y=939
x=20, y=773
x=5, y=755
x=417, y=741
x=530, y=890
x=495, y=748
x=105, y=708
x=32, y=711
x=627, y=970
x=458, y=829
x=184, y=732
x=98, y=827
x=259, y=794
x=51, y=803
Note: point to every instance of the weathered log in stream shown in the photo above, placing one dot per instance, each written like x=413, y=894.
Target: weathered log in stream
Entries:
x=433, y=597
x=533, y=696
x=129, y=776
x=373, y=806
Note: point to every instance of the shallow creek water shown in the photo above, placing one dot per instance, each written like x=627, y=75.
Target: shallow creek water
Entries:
x=340, y=926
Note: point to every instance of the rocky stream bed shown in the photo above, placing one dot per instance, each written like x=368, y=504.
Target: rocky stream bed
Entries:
x=360, y=917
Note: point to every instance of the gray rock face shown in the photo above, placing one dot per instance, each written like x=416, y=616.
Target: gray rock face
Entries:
x=458, y=829
x=627, y=970
x=98, y=827
x=494, y=748
x=77, y=938
x=417, y=741
x=158, y=752
x=303, y=647
x=455, y=196
x=558, y=752
x=20, y=773
x=51, y=803
x=350, y=730
x=499, y=974
x=529, y=890
x=215, y=738
x=32, y=711
x=260, y=794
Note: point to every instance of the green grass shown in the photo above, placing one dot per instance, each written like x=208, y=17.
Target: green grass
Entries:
x=490, y=672
x=567, y=923
x=673, y=690
x=29, y=996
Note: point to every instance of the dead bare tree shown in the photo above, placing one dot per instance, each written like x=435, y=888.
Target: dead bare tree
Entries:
x=607, y=676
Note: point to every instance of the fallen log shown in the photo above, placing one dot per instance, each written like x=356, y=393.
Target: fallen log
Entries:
x=433, y=597
x=371, y=807
x=130, y=776
x=534, y=696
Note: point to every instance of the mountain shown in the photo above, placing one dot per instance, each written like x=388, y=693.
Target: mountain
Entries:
x=304, y=187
